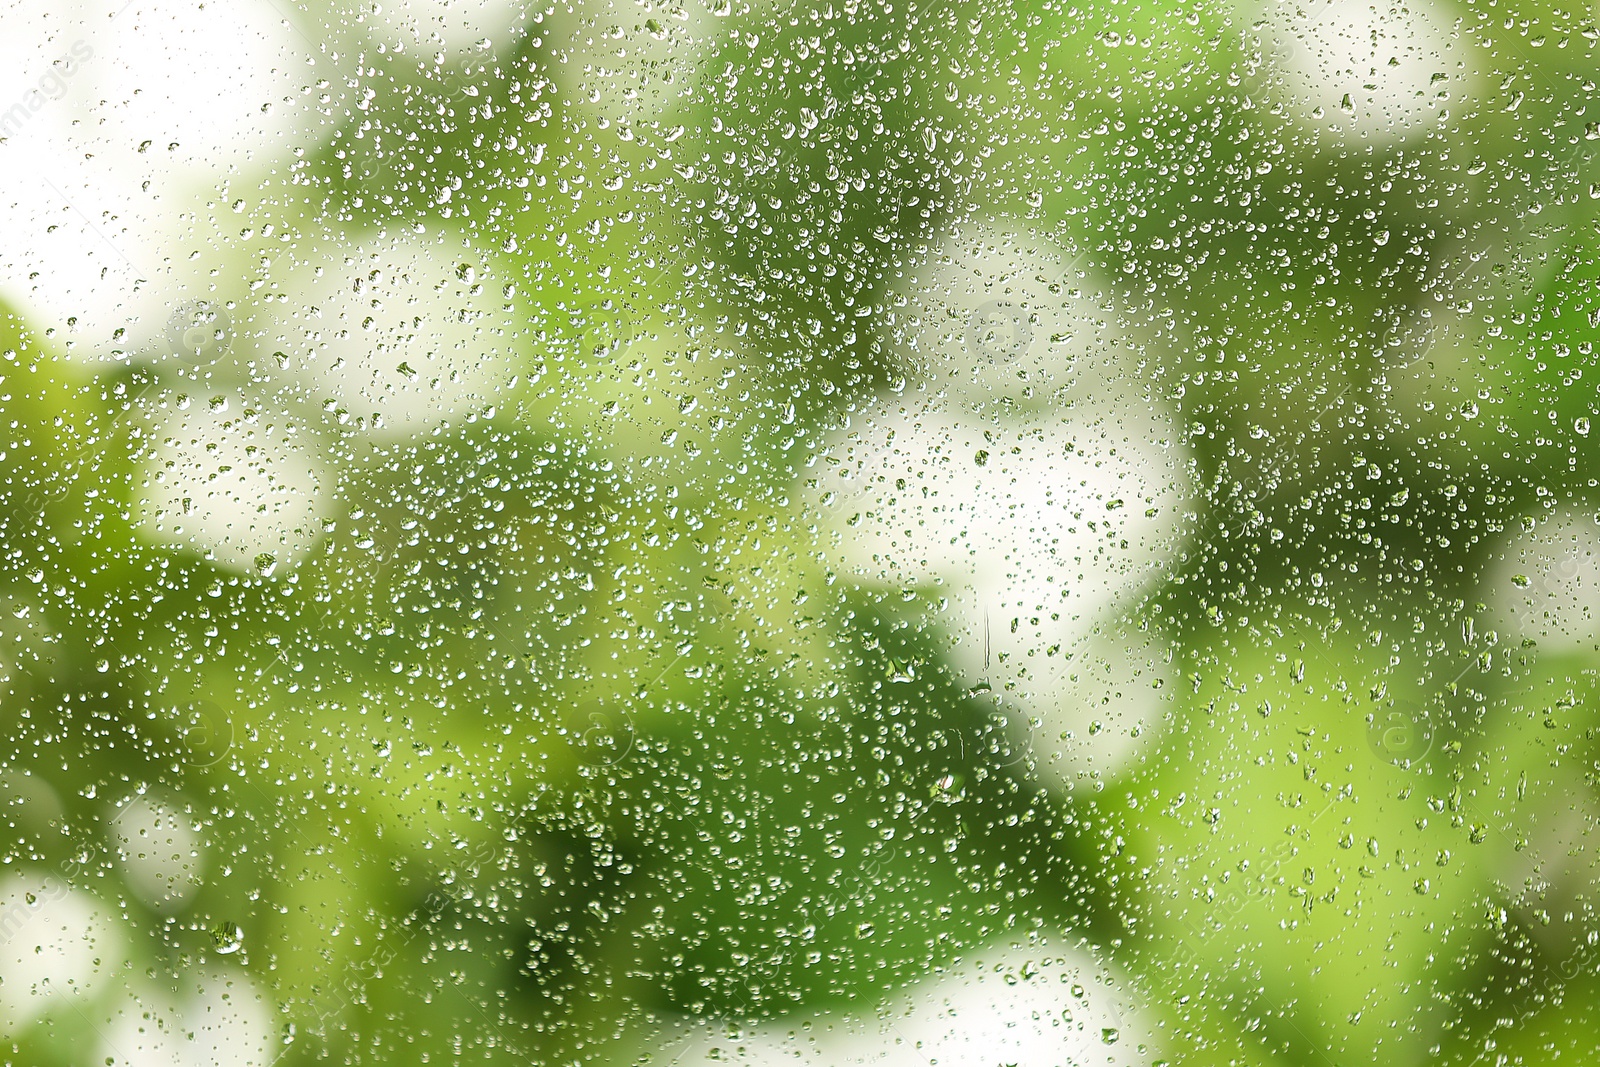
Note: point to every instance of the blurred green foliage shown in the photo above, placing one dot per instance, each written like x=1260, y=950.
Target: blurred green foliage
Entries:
x=569, y=719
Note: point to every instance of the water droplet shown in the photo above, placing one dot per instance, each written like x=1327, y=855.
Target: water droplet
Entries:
x=227, y=938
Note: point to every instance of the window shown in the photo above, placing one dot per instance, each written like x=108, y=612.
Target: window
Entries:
x=842, y=533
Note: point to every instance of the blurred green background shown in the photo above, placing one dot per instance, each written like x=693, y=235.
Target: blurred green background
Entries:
x=685, y=527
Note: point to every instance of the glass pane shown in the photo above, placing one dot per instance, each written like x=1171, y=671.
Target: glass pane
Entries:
x=622, y=533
